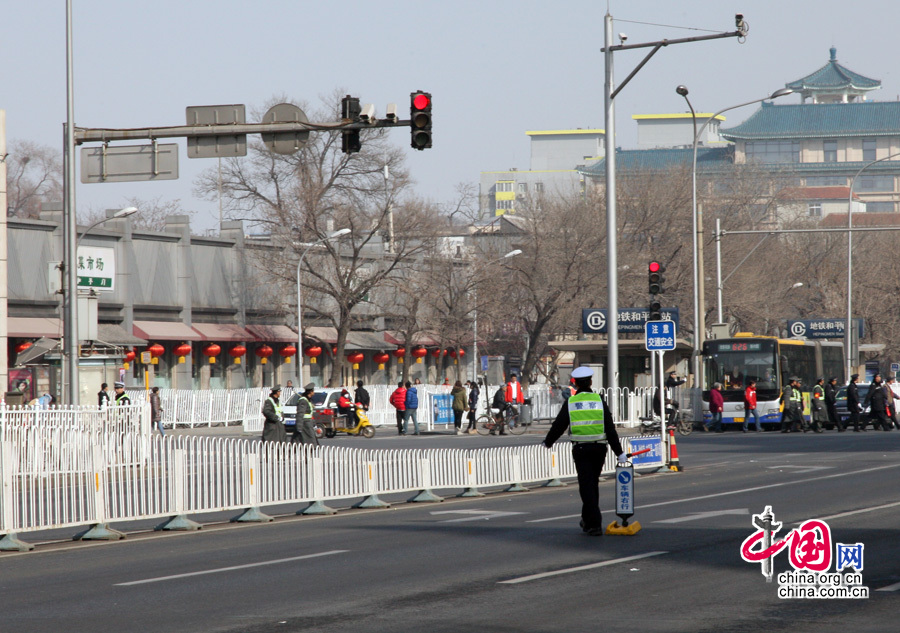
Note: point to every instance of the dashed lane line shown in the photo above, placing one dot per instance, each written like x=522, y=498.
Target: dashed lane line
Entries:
x=571, y=570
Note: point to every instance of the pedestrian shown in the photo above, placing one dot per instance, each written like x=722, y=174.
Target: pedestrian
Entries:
x=103, y=396
x=716, y=404
x=398, y=401
x=750, y=406
x=592, y=430
x=122, y=398
x=412, y=408
x=361, y=396
x=889, y=384
x=156, y=411
x=417, y=382
x=460, y=406
x=474, y=392
x=831, y=404
x=791, y=399
x=304, y=430
x=818, y=414
x=674, y=381
x=854, y=407
x=273, y=418
x=289, y=385
x=512, y=397
x=894, y=386
x=876, y=402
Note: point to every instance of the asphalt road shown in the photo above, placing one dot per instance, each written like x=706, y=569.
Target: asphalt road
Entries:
x=504, y=562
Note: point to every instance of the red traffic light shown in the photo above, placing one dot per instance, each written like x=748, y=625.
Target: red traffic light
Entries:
x=654, y=267
x=421, y=101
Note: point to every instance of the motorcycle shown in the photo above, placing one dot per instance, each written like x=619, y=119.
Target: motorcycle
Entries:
x=333, y=423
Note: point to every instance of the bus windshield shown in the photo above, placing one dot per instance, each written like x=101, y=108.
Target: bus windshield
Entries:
x=733, y=362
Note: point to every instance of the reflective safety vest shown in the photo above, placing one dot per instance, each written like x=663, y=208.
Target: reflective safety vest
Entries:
x=277, y=406
x=586, y=417
x=796, y=396
x=123, y=399
x=309, y=408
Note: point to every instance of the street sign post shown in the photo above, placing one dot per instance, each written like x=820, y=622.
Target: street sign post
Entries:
x=659, y=336
x=129, y=163
x=216, y=146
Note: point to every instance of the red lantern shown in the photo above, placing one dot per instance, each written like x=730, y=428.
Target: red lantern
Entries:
x=182, y=350
x=211, y=351
x=156, y=350
x=419, y=353
x=263, y=352
x=313, y=351
x=21, y=347
x=452, y=353
x=436, y=352
x=462, y=352
x=236, y=352
x=381, y=358
x=130, y=355
x=287, y=351
x=356, y=358
x=399, y=353
x=334, y=350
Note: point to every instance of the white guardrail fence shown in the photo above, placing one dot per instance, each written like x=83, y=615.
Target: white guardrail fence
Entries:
x=190, y=409
x=61, y=469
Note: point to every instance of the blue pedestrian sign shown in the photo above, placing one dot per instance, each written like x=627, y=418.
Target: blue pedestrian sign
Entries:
x=660, y=336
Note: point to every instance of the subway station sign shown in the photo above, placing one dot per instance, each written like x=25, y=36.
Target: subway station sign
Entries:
x=594, y=320
x=821, y=328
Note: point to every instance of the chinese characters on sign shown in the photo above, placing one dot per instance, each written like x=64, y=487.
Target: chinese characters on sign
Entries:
x=594, y=320
x=822, y=328
x=96, y=267
x=660, y=335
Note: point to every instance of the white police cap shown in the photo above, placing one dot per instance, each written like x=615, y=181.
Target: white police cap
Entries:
x=582, y=372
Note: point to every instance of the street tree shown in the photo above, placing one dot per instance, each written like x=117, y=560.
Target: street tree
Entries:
x=33, y=177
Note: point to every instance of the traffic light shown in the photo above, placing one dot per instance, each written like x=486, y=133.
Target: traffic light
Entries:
x=655, y=310
x=351, y=110
x=655, y=278
x=420, y=119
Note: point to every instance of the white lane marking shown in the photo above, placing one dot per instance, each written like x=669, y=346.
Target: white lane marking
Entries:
x=579, y=568
x=852, y=512
x=696, y=516
x=477, y=515
x=800, y=469
x=893, y=587
x=735, y=492
x=224, y=569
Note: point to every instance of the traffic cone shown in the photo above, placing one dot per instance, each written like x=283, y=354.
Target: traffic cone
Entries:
x=673, y=453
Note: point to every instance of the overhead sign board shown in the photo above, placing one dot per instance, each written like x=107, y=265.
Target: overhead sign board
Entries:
x=216, y=146
x=822, y=328
x=96, y=268
x=285, y=142
x=129, y=163
x=659, y=336
x=594, y=320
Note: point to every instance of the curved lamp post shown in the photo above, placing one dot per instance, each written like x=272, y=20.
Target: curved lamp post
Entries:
x=475, y=312
x=699, y=307
x=848, y=327
x=334, y=235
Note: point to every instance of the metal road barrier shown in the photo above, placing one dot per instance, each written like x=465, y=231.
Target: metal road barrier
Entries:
x=56, y=477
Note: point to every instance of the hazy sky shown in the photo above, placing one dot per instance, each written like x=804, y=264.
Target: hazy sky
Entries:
x=496, y=68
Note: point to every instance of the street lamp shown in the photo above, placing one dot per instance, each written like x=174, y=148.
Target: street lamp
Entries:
x=847, y=328
x=475, y=314
x=70, y=347
x=334, y=235
x=699, y=303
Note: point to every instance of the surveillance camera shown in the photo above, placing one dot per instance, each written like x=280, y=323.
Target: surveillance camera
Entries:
x=738, y=20
x=623, y=37
x=367, y=115
x=391, y=112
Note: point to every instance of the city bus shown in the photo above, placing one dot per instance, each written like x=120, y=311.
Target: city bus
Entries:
x=770, y=361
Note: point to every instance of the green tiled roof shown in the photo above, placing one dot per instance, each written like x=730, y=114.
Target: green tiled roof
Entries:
x=634, y=160
x=819, y=120
x=833, y=76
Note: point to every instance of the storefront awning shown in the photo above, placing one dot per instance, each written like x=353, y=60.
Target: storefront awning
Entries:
x=165, y=331
x=115, y=334
x=273, y=333
x=223, y=332
x=33, y=327
x=366, y=340
x=396, y=338
x=40, y=347
x=322, y=334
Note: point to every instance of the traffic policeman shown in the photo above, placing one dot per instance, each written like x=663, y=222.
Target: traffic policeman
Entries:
x=122, y=398
x=792, y=398
x=273, y=418
x=592, y=430
x=304, y=431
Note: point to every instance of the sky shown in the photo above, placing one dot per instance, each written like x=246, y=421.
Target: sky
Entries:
x=495, y=68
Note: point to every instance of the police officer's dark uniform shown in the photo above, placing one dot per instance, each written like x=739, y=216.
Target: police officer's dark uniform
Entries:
x=592, y=429
x=121, y=397
x=853, y=405
x=831, y=403
x=304, y=431
x=273, y=419
x=818, y=416
x=876, y=400
x=792, y=398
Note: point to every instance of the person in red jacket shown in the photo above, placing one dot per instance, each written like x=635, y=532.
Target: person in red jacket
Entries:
x=750, y=406
x=513, y=397
x=398, y=400
x=716, y=404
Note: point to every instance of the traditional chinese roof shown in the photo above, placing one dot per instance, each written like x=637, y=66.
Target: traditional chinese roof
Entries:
x=861, y=219
x=822, y=120
x=833, y=78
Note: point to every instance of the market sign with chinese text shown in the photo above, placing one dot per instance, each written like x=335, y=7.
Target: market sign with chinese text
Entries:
x=96, y=267
x=821, y=328
x=594, y=320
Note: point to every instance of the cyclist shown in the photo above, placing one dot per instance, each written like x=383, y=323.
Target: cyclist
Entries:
x=499, y=402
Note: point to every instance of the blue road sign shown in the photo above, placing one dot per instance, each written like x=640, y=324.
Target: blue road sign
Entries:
x=660, y=336
x=594, y=320
x=822, y=328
